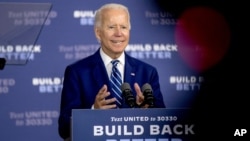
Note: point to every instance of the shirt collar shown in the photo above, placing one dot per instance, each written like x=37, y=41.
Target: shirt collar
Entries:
x=106, y=59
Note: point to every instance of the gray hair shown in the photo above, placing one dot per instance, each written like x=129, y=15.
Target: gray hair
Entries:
x=98, y=14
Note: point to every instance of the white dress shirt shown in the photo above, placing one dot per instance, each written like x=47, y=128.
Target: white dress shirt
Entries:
x=107, y=62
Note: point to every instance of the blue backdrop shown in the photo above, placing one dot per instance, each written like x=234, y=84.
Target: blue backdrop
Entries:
x=193, y=45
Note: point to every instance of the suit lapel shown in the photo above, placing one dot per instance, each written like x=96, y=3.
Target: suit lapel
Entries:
x=99, y=71
x=130, y=72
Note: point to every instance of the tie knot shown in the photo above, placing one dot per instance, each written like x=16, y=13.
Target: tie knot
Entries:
x=115, y=62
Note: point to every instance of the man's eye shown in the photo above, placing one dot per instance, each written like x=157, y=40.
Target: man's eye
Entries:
x=124, y=27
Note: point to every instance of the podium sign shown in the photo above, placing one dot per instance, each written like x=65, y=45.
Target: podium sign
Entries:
x=133, y=125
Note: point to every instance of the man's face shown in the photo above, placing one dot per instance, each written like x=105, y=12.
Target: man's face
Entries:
x=114, y=32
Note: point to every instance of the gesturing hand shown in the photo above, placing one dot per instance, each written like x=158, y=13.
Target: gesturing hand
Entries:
x=100, y=100
x=139, y=97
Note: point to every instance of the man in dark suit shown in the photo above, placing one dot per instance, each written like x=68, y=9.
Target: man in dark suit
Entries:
x=87, y=81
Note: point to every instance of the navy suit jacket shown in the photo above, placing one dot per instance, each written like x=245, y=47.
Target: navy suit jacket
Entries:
x=84, y=78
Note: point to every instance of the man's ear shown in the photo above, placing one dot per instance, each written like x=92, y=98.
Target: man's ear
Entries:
x=97, y=33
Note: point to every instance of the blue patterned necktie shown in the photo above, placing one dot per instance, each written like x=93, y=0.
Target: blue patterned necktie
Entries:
x=116, y=82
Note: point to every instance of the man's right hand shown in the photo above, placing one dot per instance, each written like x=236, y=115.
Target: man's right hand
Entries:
x=100, y=100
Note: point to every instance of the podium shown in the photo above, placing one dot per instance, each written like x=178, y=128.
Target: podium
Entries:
x=133, y=125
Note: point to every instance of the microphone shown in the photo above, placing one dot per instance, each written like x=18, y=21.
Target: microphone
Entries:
x=127, y=94
x=148, y=95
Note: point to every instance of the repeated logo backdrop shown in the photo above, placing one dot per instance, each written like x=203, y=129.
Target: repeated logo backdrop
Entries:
x=165, y=38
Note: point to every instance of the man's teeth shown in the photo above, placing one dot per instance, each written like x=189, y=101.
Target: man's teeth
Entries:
x=117, y=42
